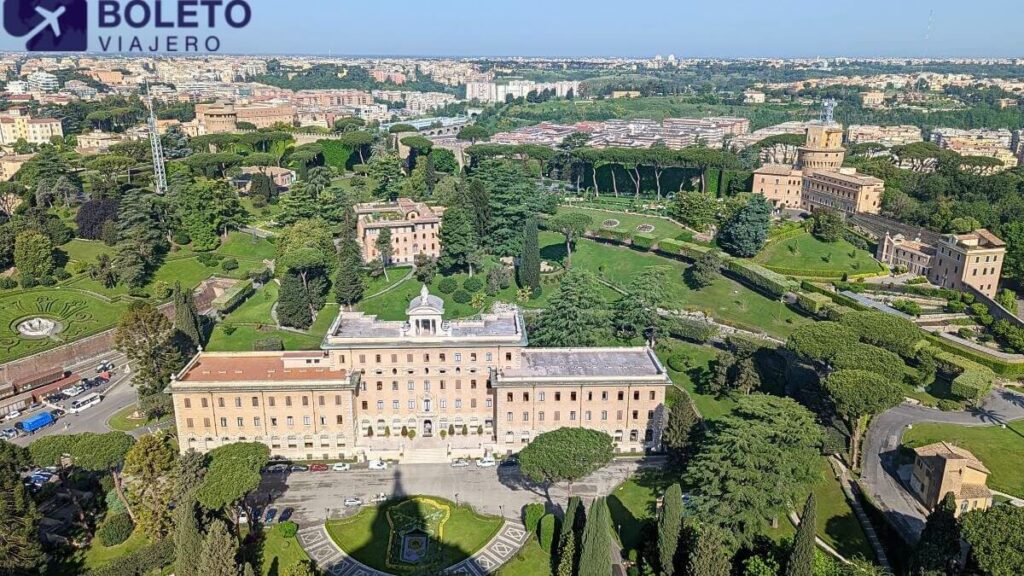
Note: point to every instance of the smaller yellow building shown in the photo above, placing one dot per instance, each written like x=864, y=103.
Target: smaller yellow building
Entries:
x=942, y=468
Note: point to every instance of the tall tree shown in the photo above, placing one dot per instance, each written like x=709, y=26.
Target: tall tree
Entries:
x=208, y=210
x=458, y=239
x=571, y=225
x=298, y=204
x=219, y=550
x=670, y=527
x=348, y=283
x=801, y=558
x=149, y=467
x=574, y=317
x=695, y=209
x=20, y=550
x=146, y=336
x=476, y=198
x=514, y=198
x=710, y=555
x=186, y=317
x=569, y=536
x=938, y=550
x=637, y=314
x=33, y=255
x=565, y=455
x=233, y=472
x=596, y=559
x=679, y=433
x=747, y=231
x=857, y=395
x=306, y=251
x=529, y=259
x=996, y=537
x=705, y=271
x=385, y=249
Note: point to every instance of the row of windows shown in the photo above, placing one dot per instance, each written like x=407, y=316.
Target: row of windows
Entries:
x=442, y=357
x=620, y=395
x=587, y=416
x=257, y=422
x=427, y=404
x=411, y=385
x=255, y=400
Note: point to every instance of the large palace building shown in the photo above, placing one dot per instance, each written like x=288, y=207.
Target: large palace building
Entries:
x=414, y=226
x=425, y=389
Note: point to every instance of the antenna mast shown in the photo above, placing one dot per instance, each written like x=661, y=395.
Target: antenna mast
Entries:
x=159, y=172
x=828, y=107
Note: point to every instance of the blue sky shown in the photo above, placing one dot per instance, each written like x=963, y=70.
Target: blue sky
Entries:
x=740, y=28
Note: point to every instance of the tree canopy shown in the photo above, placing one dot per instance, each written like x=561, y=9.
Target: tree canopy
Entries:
x=565, y=455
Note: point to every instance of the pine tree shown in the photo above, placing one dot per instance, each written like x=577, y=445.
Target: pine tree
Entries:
x=670, y=526
x=298, y=204
x=710, y=556
x=348, y=282
x=430, y=174
x=186, y=317
x=678, y=436
x=219, y=550
x=458, y=239
x=385, y=249
x=20, y=552
x=801, y=559
x=188, y=540
x=292, y=303
x=475, y=198
x=529, y=259
x=596, y=559
x=573, y=317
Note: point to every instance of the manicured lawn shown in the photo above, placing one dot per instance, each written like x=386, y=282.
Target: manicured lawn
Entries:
x=700, y=357
x=122, y=421
x=836, y=523
x=256, y=310
x=369, y=538
x=531, y=560
x=244, y=246
x=380, y=283
x=629, y=222
x=244, y=336
x=86, y=251
x=814, y=258
x=1000, y=449
x=280, y=553
x=632, y=504
x=725, y=300
x=80, y=313
x=97, y=555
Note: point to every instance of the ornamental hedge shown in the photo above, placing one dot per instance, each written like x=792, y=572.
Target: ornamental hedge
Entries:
x=761, y=277
x=812, y=302
x=691, y=329
x=613, y=235
x=973, y=385
x=644, y=241
x=115, y=529
x=687, y=250
x=233, y=297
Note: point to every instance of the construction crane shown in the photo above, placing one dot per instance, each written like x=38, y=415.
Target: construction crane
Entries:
x=159, y=171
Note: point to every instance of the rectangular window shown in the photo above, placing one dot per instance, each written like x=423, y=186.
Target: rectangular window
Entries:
x=458, y=356
x=653, y=394
x=426, y=385
x=618, y=415
x=472, y=356
x=411, y=385
x=604, y=415
x=458, y=403
x=206, y=422
x=377, y=358
x=508, y=397
x=489, y=357
x=305, y=400
x=490, y=403
x=187, y=403
x=572, y=396
x=188, y=422
x=255, y=401
x=472, y=402
x=508, y=416
x=380, y=404
x=472, y=384
x=338, y=419
x=526, y=416
x=223, y=422
x=289, y=421
x=444, y=404
x=412, y=404
x=572, y=415
x=526, y=396
x=604, y=396
x=220, y=402
x=271, y=401
x=256, y=421
x=558, y=396
x=540, y=416
x=306, y=420
x=240, y=422
x=320, y=400
x=636, y=395
x=288, y=401
x=622, y=395
x=337, y=399
x=365, y=404
x=586, y=415
x=394, y=385
x=238, y=402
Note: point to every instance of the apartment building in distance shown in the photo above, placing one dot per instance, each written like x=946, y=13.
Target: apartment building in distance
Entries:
x=461, y=387
x=500, y=91
x=16, y=125
x=224, y=117
x=872, y=99
x=415, y=229
x=955, y=262
x=11, y=163
x=888, y=136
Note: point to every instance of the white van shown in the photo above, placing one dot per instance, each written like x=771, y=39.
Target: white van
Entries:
x=84, y=403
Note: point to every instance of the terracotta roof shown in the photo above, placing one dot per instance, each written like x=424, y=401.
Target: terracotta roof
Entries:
x=253, y=368
x=777, y=170
x=974, y=491
x=947, y=451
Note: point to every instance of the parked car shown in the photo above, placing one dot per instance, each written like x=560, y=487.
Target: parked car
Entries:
x=34, y=406
x=377, y=465
x=9, y=434
x=243, y=517
x=73, y=391
x=341, y=467
x=460, y=463
x=105, y=367
x=13, y=415
x=380, y=497
x=57, y=397
x=510, y=462
x=286, y=515
x=350, y=502
x=277, y=468
x=298, y=468
x=268, y=518
x=486, y=462
x=318, y=467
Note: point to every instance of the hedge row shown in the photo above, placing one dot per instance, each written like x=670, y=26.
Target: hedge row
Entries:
x=1001, y=367
x=761, y=277
x=973, y=385
x=835, y=296
x=233, y=297
x=812, y=302
x=681, y=248
x=691, y=329
x=616, y=235
x=644, y=241
x=823, y=274
x=141, y=562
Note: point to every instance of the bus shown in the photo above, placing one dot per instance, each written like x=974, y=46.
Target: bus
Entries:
x=85, y=402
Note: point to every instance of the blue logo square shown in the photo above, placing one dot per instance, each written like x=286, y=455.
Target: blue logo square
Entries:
x=48, y=25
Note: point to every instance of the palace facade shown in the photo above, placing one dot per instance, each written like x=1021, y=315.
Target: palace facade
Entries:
x=424, y=386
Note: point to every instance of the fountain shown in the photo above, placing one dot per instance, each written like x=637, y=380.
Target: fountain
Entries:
x=38, y=328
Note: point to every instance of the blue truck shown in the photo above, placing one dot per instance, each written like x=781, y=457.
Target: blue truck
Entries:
x=33, y=423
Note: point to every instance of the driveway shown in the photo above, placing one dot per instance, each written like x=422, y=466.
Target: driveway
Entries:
x=879, y=476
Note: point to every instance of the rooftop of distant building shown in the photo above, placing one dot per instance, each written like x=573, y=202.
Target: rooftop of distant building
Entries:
x=613, y=364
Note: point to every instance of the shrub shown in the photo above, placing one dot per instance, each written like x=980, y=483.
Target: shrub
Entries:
x=812, y=302
x=762, y=278
x=644, y=241
x=208, y=259
x=229, y=329
x=115, y=529
x=447, y=285
x=532, y=513
x=26, y=281
x=908, y=307
x=947, y=405
x=287, y=529
x=973, y=385
x=181, y=238
x=47, y=281
x=138, y=293
x=885, y=331
x=268, y=345
x=7, y=283
x=678, y=362
x=546, y=531
x=472, y=284
x=142, y=561
x=229, y=265
x=691, y=329
x=61, y=274
x=462, y=297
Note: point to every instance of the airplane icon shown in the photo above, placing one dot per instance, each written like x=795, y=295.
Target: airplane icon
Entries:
x=51, y=19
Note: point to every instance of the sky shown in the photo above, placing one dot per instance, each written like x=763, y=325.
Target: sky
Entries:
x=633, y=28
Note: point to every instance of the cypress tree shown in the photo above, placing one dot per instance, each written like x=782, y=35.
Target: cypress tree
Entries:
x=939, y=546
x=801, y=559
x=679, y=432
x=385, y=249
x=219, y=549
x=568, y=538
x=458, y=239
x=710, y=556
x=670, y=526
x=292, y=304
x=566, y=561
x=596, y=555
x=186, y=316
x=529, y=259
x=348, y=282
x=188, y=540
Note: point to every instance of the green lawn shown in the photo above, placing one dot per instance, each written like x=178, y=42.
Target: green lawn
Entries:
x=80, y=313
x=121, y=421
x=86, y=251
x=629, y=222
x=727, y=301
x=256, y=309
x=632, y=504
x=244, y=336
x=836, y=523
x=367, y=536
x=280, y=553
x=1000, y=449
x=814, y=258
x=245, y=247
x=531, y=560
x=700, y=357
x=97, y=555
x=380, y=283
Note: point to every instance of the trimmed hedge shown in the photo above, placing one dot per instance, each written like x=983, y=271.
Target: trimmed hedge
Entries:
x=681, y=248
x=973, y=385
x=691, y=329
x=532, y=513
x=812, y=302
x=141, y=562
x=546, y=531
x=614, y=235
x=823, y=274
x=233, y=297
x=1001, y=367
x=644, y=241
x=115, y=529
x=761, y=277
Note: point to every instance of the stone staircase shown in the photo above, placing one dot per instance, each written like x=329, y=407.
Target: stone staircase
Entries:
x=424, y=455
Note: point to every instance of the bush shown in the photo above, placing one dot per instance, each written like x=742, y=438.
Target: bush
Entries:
x=61, y=274
x=691, y=329
x=287, y=529
x=532, y=513
x=229, y=265
x=761, y=277
x=973, y=385
x=8, y=283
x=447, y=285
x=546, y=531
x=138, y=293
x=472, y=284
x=115, y=529
x=812, y=302
x=679, y=362
x=229, y=329
x=644, y=241
x=181, y=238
x=462, y=297
x=908, y=307
x=208, y=259
x=141, y=562
x=47, y=281
x=947, y=405
x=268, y=345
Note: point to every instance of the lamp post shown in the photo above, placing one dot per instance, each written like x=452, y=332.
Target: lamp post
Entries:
x=501, y=510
